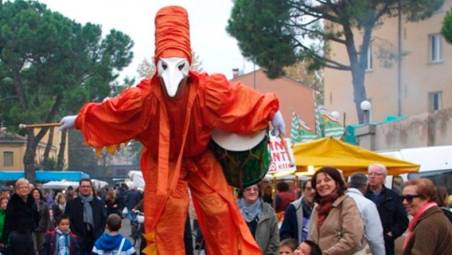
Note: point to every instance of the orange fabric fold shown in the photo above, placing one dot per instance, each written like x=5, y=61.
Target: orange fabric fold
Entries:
x=172, y=33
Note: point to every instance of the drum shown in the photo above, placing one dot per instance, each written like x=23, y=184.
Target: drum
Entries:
x=245, y=159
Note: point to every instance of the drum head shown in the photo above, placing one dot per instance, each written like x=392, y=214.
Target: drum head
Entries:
x=236, y=142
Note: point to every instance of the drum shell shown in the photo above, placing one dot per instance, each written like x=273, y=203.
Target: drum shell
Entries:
x=243, y=168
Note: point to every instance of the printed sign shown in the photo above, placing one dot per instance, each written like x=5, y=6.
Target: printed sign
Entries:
x=282, y=159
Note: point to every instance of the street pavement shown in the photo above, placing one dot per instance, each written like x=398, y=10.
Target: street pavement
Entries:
x=125, y=231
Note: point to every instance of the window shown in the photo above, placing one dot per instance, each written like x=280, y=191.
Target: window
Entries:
x=436, y=100
x=8, y=158
x=369, y=61
x=435, y=48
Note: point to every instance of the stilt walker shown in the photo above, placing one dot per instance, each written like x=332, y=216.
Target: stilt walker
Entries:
x=173, y=115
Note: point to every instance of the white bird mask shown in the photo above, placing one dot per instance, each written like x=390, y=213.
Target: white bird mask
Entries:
x=172, y=71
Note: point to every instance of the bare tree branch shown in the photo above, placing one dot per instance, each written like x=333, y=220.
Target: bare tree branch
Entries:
x=326, y=36
x=315, y=12
x=328, y=62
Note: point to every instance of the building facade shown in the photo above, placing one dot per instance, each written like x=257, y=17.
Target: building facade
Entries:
x=293, y=96
x=424, y=79
x=13, y=146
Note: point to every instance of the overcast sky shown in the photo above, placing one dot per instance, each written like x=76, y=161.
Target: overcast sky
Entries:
x=217, y=50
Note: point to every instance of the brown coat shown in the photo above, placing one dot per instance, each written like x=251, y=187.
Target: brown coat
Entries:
x=342, y=232
x=432, y=235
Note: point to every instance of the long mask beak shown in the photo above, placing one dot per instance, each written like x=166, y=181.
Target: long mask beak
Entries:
x=172, y=71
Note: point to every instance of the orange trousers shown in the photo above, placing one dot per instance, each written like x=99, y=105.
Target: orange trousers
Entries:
x=223, y=228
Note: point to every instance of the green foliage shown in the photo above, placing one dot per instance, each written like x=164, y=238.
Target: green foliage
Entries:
x=258, y=25
x=446, y=29
x=49, y=164
x=416, y=10
x=50, y=65
x=81, y=157
x=275, y=34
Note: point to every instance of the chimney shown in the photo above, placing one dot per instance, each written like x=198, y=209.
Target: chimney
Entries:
x=235, y=73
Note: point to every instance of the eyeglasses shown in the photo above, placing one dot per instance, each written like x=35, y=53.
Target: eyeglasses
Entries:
x=375, y=174
x=409, y=198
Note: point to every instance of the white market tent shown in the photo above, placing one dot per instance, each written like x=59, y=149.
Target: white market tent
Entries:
x=98, y=184
x=63, y=184
x=135, y=180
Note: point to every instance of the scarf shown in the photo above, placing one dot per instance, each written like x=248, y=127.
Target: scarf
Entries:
x=250, y=211
x=38, y=204
x=62, y=242
x=62, y=206
x=307, y=209
x=87, y=210
x=324, y=208
x=414, y=221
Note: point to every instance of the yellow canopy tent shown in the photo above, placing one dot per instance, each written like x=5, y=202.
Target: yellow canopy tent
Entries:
x=349, y=158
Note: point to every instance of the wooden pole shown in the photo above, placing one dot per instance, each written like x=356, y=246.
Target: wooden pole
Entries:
x=39, y=125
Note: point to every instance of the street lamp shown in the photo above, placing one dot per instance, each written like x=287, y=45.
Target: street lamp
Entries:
x=365, y=107
x=336, y=115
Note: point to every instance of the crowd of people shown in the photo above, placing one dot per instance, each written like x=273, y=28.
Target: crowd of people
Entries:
x=79, y=221
x=330, y=216
x=358, y=217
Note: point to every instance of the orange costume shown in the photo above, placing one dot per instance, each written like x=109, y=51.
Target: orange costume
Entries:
x=175, y=135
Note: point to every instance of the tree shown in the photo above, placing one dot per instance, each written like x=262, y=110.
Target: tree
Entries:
x=275, y=34
x=446, y=29
x=50, y=65
x=81, y=157
x=47, y=162
x=310, y=78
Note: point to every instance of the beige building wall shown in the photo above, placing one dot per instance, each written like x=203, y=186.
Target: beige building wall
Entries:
x=17, y=150
x=15, y=146
x=421, y=130
x=55, y=146
x=419, y=76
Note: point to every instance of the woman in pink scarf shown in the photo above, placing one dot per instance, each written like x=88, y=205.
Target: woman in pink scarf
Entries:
x=429, y=231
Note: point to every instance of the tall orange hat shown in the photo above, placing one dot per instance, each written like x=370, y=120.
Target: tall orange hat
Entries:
x=172, y=33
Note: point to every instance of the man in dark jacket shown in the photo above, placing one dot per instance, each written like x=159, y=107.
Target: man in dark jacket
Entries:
x=21, y=218
x=296, y=218
x=133, y=197
x=87, y=215
x=389, y=204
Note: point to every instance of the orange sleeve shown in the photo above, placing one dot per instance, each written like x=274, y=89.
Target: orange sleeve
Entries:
x=115, y=120
x=237, y=108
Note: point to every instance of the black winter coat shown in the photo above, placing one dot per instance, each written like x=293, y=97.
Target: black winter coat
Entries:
x=57, y=212
x=74, y=209
x=21, y=216
x=393, y=216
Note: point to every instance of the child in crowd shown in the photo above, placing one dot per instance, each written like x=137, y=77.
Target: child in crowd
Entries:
x=308, y=247
x=288, y=246
x=112, y=242
x=61, y=241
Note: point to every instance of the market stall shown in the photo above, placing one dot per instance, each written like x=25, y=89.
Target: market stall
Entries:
x=346, y=157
